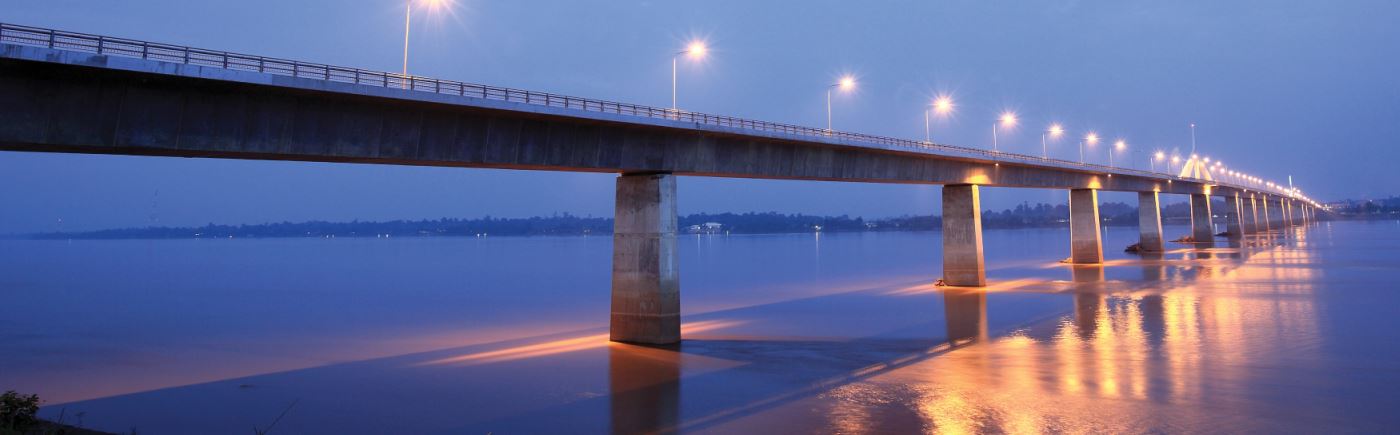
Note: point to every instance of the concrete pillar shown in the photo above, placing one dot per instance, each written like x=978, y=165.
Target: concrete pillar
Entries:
x=1287, y=212
x=1250, y=209
x=1150, y=222
x=1264, y=208
x=1276, y=214
x=962, y=236
x=646, y=305
x=1234, y=223
x=1085, y=246
x=1201, y=229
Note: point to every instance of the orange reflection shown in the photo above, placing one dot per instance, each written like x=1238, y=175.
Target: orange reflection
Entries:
x=562, y=346
x=1126, y=351
x=992, y=287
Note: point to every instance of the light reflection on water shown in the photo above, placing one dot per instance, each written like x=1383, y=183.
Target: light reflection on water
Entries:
x=1160, y=354
x=1289, y=333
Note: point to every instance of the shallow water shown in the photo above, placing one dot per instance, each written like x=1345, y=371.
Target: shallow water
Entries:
x=1292, y=332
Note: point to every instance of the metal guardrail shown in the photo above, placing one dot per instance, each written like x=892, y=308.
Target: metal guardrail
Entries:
x=106, y=45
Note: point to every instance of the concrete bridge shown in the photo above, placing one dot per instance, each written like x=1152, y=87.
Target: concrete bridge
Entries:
x=77, y=93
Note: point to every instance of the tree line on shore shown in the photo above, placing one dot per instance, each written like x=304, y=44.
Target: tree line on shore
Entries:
x=1366, y=208
x=1022, y=216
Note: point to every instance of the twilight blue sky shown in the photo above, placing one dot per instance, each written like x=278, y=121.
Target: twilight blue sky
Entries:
x=1304, y=88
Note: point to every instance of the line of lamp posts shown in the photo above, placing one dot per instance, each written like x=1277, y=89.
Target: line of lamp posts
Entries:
x=941, y=106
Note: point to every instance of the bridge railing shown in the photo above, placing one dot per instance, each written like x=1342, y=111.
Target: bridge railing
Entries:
x=105, y=45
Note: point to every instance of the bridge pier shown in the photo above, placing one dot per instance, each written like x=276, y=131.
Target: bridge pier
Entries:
x=1150, y=222
x=646, y=274
x=1279, y=219
x=1250, y=211
x=963, y=264
x=1267, y=217
x=1234, y=222
x=1085, y=246
x=1202, y=230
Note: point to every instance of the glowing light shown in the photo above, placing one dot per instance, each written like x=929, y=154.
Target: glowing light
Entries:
x=1008, y=119
x=1091, y=138
x=1176, y=159
x=1161, y=155
x=696, y=49
x=1056, y=130
x=943, y=105
x=1120, y=144
x=847, y=82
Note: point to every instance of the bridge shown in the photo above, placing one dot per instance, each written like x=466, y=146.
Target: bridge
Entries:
x=68, y=92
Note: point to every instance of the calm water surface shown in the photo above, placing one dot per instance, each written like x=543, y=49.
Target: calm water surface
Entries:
x=1293, y=332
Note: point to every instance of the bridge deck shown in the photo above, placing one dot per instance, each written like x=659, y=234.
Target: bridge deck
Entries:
x=67, y=92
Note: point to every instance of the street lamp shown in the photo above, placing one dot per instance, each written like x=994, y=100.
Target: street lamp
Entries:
x=696, y=50
x=846, y=83
x=1158, y=156
x=1008, y=120
x=1175, y=160
x=1193, y=139
x=1055, y=131
x=407, y=19
x=1117, y=146
x=943, y=105
x=1092, y=138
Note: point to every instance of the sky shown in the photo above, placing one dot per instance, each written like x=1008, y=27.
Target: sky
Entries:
x=1306, y=88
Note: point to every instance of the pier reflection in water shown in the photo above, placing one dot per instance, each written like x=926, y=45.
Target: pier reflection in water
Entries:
x=1201, y=343
x=1281, y=333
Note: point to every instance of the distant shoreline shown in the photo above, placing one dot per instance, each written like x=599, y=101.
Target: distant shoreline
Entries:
x=608, y=234
x=1024, y=216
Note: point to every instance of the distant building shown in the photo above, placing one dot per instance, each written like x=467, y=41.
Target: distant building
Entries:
x=706, y=228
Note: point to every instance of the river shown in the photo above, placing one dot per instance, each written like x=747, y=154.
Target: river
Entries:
x=797, y=333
